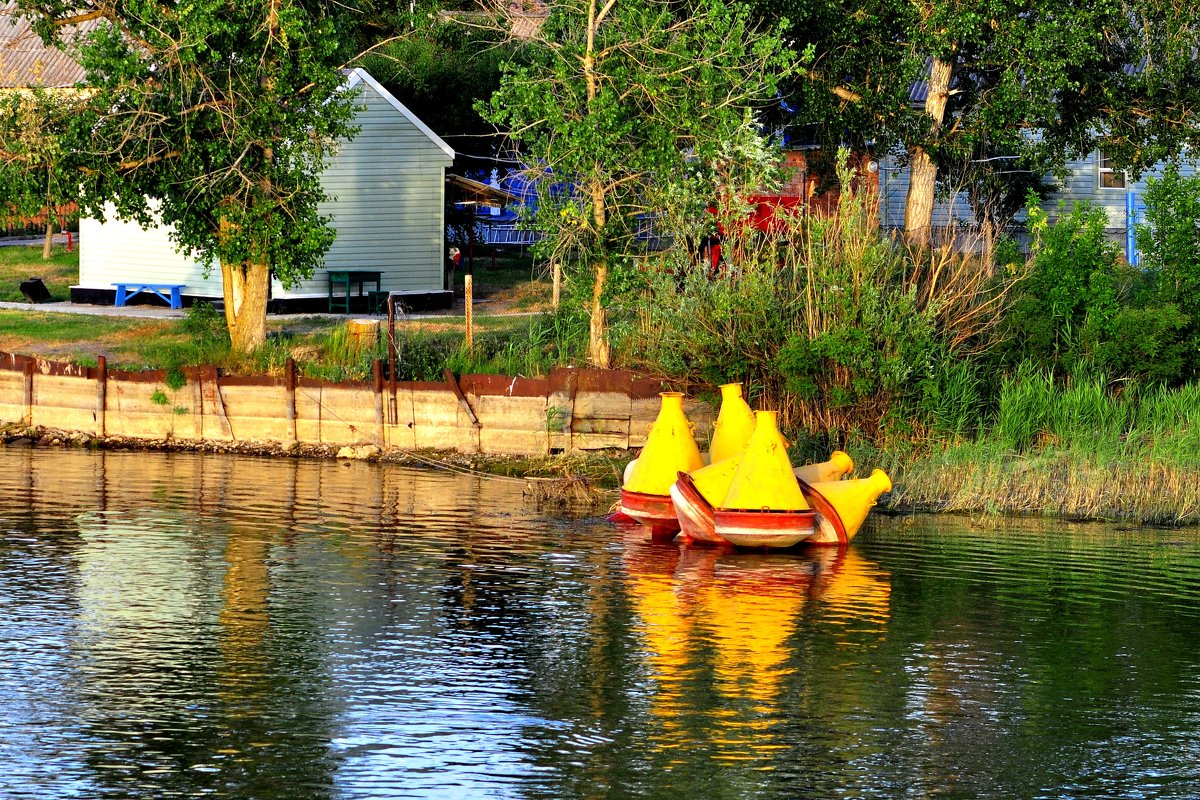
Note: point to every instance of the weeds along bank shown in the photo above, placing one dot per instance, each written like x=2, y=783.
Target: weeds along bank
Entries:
x=1062, y=382
x=1075, y=448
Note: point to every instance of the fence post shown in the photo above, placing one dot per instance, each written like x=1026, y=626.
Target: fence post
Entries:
x=393, y=412
x=380, y=431
x=101, y=395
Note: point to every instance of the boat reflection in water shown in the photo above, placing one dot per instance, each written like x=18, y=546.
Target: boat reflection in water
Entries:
x=731, y=620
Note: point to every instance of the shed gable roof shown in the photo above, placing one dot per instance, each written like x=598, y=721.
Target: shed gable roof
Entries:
x=358, y=77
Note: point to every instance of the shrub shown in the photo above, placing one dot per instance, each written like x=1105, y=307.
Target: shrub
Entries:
x=1169, y=241
x=1072, y=277
x=203, y=323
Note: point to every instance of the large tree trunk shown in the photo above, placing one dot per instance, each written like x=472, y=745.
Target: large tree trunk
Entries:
x=245, y=287
x=918, y=206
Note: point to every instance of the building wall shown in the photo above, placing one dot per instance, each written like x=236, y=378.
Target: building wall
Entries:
x=1082, y=182
x=387, y=190
x=113, y=250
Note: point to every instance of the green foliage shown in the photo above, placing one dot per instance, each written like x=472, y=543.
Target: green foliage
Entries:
x=438, y=72
x=175, y=379
x=953, y=398
x=627, y=105
x=1080, y=303
x=1051, y=65
x=1147, y=343
x=1169, y=241
x=159, y=398
x=33, y=143
x=203, y=323
x=1071, y=280
x=1090, y=415
x=836, y=326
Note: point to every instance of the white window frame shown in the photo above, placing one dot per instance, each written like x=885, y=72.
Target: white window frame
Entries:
x=1104, y=173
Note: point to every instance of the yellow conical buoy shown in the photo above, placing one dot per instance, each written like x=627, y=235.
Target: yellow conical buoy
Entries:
x=670, y=449
x=764, y=479
x=849, y=501
x=839, y=464
x=713, y=481
x=733, y=427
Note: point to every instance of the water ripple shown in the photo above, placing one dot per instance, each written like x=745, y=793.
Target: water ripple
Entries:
x=195, y=625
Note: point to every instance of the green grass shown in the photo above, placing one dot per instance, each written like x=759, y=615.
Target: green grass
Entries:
x=321, y=346
x=48, y=327
x=18, y=263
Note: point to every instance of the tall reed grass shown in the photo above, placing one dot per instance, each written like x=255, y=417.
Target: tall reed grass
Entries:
x=1084, y=447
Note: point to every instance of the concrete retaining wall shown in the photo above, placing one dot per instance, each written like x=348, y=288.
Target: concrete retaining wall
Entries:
x=571, y=409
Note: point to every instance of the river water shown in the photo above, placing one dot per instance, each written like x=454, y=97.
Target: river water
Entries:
x=180, y=625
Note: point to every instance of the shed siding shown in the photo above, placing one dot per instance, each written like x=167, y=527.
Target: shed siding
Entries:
x=115, y=251
x=387, y=190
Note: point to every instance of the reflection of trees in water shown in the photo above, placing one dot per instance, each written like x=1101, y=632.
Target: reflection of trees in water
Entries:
x=195, y=677
x=217, y=610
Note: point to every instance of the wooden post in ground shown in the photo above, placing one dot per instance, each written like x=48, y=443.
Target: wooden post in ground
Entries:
x=393, y=412
x=556, y=294
x=101, y=394
x=290, y=388
x=468, y=291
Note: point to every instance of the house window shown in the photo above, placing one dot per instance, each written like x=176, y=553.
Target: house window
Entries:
x=1110, y=178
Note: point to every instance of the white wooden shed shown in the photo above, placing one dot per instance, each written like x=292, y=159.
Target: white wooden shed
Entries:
x=387, y=189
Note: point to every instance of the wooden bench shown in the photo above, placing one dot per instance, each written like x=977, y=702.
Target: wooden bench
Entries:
x=171, y=292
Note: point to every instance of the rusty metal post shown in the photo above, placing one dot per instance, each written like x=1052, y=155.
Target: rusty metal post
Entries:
x=28, y=392
x=393, y=411
x=101, y=395
x=290, y=386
